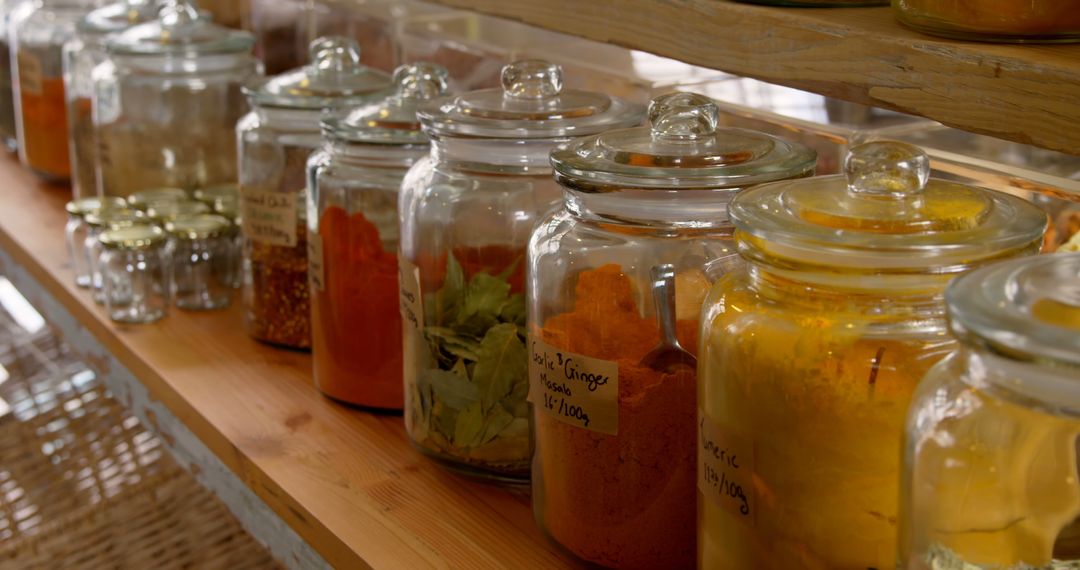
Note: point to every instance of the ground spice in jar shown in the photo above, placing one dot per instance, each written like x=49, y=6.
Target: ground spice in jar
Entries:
x=279, y=308
x=626, y=500
x=356, y=324
x=44, y=120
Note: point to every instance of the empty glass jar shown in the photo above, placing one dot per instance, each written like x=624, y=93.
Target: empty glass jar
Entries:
x=80, y=56
x=617, y=278
x=467, y=211
x=166, y=101
x=990, y=475
x=275, y=141
x=201, y=249
x=135, y=272
x=810, y=353
x=76, y=231
x=98, y=222
x=353, y=240
x=37, y=38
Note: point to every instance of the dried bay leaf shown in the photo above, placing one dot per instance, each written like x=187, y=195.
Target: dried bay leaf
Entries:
x=469, y=424
x=495, y=422
x=454, y=391
x=502, y=363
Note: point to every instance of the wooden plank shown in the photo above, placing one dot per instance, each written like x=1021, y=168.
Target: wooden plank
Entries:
x=1028, y=93
x=345, y=481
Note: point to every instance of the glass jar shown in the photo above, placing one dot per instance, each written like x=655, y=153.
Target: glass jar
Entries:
x=353, y=241
x=466, y=213
x=135, y=268
x=166, y=101
x=617, y=277
x=8, y=11
x=76, y=230
x=281, y=29
x=809, y=354
x=230, y=210
x=80, y=56
x=990, y=457
x=200, y=244
x=1038, y=21
x=144, y=199
x=37, y=39
x=98, y=222
x=276, y=138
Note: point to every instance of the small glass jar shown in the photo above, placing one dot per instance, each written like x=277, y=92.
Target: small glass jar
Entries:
x=76, y=230
x=199, y=244
x=100, y=221
x=135, y=269
x=143, y=199
x=8, y=12
x=166, y=101
x=230, y=210
x=276, y=138
x=166, y=211
x=80, y=56
x=466, y=212
x=990, y=458
x=37, y=40
x=617, y=278
x=1036, y=21
x=353, y=241
x=810, y=353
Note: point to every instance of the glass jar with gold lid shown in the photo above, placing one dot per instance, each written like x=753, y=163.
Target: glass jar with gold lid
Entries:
x=617, y=278
x=810, y=353
x=990, y=460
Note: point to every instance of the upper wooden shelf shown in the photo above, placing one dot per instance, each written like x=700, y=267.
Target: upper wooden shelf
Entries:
x=348, y=482
x=1024, y=93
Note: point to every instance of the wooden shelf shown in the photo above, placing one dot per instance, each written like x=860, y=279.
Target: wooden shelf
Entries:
x=1025, y=93
x=347, y=482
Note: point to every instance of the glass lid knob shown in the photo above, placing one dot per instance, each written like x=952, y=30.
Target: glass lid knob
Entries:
x=177, y=13
x=532, y=79
x=421, y=80
x=334, y=56
x=886, y=169
x=683, y=116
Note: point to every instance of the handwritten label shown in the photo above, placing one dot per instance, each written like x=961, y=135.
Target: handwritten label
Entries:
x=315, y=262
x=269, y=217
x=575, y=389
x=725, y=465
x=412, y=305
x=30, y=73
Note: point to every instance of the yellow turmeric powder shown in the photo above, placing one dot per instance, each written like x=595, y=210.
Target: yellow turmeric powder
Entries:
x=625, y=500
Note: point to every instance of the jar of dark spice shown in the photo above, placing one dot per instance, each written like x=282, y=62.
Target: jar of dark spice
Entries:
x=353, y=240
x=617, y=279
x=467, y=211
x=275, y=140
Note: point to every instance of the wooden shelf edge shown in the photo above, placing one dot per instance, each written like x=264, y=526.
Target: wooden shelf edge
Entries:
x=1029, y=93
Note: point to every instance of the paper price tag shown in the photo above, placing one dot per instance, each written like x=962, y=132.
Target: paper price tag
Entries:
x=269, y=217
x=30, y=81
x=725, y=468
x=315, y=262
x=412, y=305
x=573, y=388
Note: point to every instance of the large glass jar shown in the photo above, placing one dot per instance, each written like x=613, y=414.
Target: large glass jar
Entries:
x=616, y=281
x=275, y=140
x=37, y=39
x=809, y=354
x=990, y=458
x=282, y=30
x=994, y=20
x=8, y=11
x=467, y=211
x=352, y=220
x=166, y=102
x=80, y=56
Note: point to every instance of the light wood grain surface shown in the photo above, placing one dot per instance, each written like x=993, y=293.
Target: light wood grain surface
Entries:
x=1025, y=93
x=347, y=481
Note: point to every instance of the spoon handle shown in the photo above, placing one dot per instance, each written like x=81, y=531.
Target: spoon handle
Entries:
x=663, y=289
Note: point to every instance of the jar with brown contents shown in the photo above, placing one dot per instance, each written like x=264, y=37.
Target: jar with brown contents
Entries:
x=275, y=141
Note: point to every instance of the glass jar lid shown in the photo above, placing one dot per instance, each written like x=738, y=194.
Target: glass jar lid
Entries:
x=145, y=198
x=84, y=206
x=180, y=29
x=117, y=17
x=885, y=213
x=162, y=212
x=134, y=237
x=531, y=104
x=115, y=217
x=335, y=77
x=1026, y=308
x=393, y=120
x=681, y=148
x=203, y=226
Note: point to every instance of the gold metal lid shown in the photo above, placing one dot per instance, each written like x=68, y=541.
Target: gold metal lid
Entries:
x=132, y=238
x=143, y=199
x=115, y=217
x=203, y=226
x=84, y=206
x=162, y=212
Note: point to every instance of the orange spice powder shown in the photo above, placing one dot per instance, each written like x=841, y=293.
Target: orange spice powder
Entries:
x=44, y=119
x=626, y=500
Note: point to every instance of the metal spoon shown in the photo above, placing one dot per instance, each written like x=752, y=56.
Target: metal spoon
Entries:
x=669, y=353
